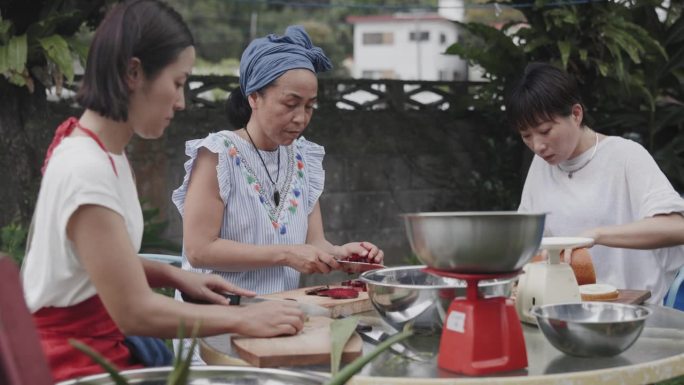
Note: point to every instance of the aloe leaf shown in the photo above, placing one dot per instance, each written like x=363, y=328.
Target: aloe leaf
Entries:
x=181, y=368
x=355, y=366
x=181, y=336
x=100, y=360
x=340, y=332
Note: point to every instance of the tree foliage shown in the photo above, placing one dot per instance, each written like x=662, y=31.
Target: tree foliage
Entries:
x=223, y=29
x=628, y=60
x=38, y=39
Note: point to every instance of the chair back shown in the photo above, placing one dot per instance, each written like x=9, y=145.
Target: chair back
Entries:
x=22, y=361
x=675, y=295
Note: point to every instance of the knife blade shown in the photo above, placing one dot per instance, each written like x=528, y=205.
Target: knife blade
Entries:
x=352, y=267
x=308, y=308
x=236, y=299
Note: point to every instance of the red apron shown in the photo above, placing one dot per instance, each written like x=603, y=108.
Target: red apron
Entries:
x=89, y=323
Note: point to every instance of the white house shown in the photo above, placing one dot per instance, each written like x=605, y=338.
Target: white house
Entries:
x=407, y=46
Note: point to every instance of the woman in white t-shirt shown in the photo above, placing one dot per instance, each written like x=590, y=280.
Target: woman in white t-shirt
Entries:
x=604, y=187
x=82, y=276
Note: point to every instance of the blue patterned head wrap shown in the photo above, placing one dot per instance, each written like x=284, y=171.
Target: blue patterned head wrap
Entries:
x=266, y=58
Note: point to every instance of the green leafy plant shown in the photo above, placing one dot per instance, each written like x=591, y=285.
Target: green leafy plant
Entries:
x=13, y=241
x=44, y=41
x=341, y=331
x=344, y=375
x=628, y=61
x=412, y=259
x=153, y=240
x=181, y=365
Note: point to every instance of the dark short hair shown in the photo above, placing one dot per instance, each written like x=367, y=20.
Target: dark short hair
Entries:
x=148, y=30
x=238, y=108
x=543, y=93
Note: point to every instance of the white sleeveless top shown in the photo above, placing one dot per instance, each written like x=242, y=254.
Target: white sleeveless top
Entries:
x=249, y=214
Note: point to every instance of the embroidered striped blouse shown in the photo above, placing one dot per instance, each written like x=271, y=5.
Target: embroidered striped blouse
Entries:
x=249, y=213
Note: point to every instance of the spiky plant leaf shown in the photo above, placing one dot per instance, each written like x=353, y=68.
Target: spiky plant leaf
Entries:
x=181, y=369
x=100, y=360
x=340, y=332
x=355, y=366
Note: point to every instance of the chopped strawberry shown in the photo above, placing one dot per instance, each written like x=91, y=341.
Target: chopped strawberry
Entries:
x=357, y=258
x=339, y=293
x=316, y=290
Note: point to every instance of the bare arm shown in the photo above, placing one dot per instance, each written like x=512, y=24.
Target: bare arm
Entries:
x=203, y=216
x=104, y=248
x=648, y=233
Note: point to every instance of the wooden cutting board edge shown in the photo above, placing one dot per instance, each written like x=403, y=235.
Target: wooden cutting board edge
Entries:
x=352, y=350
x=302, y=360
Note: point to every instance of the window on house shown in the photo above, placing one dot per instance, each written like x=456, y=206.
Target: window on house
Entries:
x=442, y=38
x=378, y=38
x=419, y=36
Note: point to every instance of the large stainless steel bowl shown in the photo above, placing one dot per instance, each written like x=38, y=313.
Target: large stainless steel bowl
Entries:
x=591, y=329
x=207, y=375
x=475, y=242
x=407, y=294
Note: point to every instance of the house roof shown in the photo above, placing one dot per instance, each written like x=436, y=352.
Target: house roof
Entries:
x=397, y=17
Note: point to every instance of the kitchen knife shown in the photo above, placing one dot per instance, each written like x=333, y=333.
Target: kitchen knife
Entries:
x=351, y=267
x=308, y=308
x=236, y=299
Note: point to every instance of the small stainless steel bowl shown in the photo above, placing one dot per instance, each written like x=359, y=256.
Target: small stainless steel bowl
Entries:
x=408, y=294
x=206, y=375
x=475, y=242
x=591, y=329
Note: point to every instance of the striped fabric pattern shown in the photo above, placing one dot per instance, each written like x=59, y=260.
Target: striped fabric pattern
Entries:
x=249, y=214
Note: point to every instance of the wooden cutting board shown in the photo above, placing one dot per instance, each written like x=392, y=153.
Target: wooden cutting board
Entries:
x=338, y=307
x=310, y=347
x=634, y=297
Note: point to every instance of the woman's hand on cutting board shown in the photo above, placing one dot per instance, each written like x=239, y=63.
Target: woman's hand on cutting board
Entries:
x=270, y=319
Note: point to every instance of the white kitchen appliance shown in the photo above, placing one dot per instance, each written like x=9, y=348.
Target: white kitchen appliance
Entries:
x=550, y=281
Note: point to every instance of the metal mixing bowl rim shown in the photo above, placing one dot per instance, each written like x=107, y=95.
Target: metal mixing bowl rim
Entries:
x=364, y=277
x=470, y=214
x=199, y=369
x=535, y=311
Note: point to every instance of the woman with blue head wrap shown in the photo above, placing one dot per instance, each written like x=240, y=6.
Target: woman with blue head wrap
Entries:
x=249, y=199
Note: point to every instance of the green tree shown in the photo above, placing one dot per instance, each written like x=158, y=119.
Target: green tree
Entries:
x=629, y=63
x=38, y=47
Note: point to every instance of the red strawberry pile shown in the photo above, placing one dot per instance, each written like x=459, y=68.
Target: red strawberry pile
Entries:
x=334, y=293
x=355, y=284
x=357, y=258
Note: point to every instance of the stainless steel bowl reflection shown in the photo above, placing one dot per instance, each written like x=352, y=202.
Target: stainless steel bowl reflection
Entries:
x=591, y=329
x=207, y=375
x=475, y=242
x=407, y=294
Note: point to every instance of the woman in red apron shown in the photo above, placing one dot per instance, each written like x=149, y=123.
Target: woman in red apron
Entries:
x=82, y=276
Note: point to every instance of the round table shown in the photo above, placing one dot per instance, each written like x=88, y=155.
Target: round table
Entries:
x=657, y=355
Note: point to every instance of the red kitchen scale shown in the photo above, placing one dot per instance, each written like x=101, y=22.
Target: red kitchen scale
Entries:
x=480, y=335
